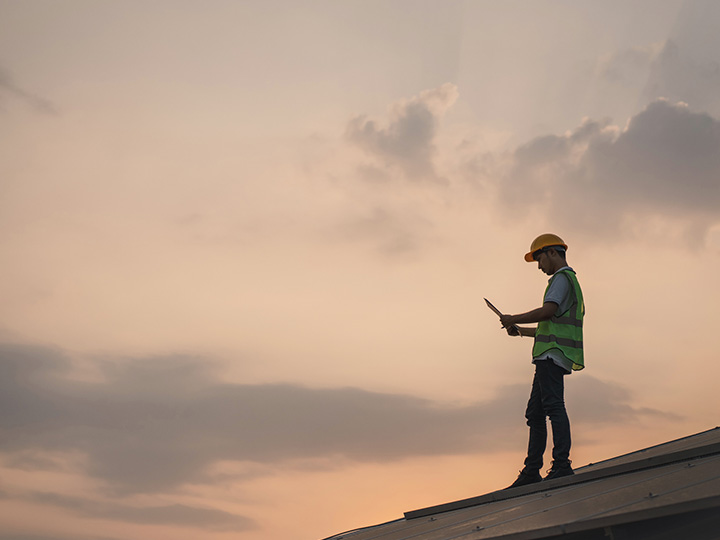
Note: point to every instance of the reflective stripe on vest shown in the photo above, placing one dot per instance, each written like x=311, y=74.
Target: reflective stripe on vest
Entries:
x=564, y=332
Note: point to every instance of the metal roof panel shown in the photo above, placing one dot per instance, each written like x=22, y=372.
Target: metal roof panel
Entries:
x=677, y=478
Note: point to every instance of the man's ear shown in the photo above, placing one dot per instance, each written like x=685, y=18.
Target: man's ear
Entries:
x=557, y=253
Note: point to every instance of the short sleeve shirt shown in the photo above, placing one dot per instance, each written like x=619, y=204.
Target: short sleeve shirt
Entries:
x=559, y=292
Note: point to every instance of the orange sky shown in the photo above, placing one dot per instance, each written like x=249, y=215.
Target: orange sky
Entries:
x=245, y=247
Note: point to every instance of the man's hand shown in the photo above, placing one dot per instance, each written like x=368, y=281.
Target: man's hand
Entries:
x=507, y=321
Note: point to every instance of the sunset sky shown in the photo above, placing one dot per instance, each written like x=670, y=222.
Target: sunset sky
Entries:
x=245, y=245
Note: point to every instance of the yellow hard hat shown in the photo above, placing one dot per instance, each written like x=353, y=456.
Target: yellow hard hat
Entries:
x=543, y=241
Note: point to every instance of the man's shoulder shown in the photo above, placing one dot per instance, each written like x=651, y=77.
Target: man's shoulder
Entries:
x=568, y=274
x=562, y=274
x=560, y=288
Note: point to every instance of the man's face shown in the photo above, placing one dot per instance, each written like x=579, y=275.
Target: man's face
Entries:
x=545, y=263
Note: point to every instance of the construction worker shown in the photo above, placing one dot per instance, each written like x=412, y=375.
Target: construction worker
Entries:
x=557, y=351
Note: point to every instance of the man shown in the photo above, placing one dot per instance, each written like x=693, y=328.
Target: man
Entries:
x=557, y=351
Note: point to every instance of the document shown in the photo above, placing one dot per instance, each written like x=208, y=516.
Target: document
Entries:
x=498, y=313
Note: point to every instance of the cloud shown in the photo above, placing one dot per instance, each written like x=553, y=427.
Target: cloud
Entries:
x=13, y=536
x=684, y=67
x=175, y=514
x=408, y=140
x=681, y=77
x=151, y=425
x=393, y=233
x=625, y=66
x=688, y=66
x=594, y=401
x=8, y=87
x=665, y=163
x=667, y=157
x=383, y=213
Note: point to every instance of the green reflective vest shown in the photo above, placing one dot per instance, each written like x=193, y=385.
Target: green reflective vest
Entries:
x=564, y=332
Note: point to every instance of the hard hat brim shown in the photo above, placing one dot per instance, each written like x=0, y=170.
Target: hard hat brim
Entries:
x=529, y=256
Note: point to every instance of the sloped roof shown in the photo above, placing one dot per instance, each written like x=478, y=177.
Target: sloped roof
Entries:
x=671, y=491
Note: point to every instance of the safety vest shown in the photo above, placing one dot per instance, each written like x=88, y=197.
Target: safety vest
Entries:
x=564, y=332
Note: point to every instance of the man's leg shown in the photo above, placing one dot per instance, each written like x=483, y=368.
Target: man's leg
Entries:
x=537, y=440
x=553, y=403
x=535, y=416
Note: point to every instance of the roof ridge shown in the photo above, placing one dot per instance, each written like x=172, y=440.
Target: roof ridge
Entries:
x=646, y=449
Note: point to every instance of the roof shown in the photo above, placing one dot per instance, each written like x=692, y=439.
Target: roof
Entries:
x=671, y=490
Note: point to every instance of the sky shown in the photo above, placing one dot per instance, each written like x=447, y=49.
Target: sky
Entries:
x=245, y=247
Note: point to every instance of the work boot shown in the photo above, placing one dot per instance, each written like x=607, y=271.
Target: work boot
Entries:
x=558, y=471
x=526, y=478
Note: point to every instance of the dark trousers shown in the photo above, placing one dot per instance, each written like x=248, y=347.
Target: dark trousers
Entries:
x=547, y=400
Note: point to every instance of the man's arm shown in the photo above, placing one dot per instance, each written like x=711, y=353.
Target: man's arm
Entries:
x=543, y=313
x=524, y=331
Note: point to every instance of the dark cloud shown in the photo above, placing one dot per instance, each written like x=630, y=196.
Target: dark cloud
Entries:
x=8, y=88
x=408, y=140
x=665, y=163
x=678, y=77
x=596, y=401
x=154, y=424
x=688, y=67
x=175, y=514
x=667, y=157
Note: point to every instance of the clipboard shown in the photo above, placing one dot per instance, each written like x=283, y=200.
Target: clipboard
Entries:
x=499, y=313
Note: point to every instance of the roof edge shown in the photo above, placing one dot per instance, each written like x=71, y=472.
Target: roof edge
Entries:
x=582, y=477
x=648, y=448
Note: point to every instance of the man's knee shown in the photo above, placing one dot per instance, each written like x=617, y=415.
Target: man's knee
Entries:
x=553, y=401
x=558, y=414
x=535, y=419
